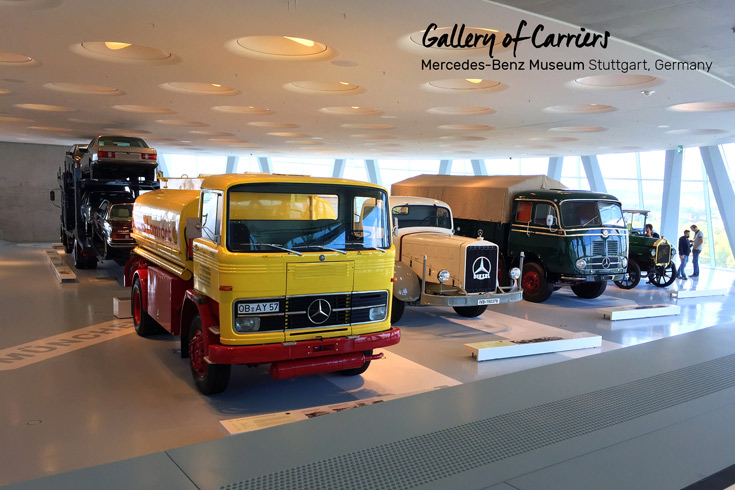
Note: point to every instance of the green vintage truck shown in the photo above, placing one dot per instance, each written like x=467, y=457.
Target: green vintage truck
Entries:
x=570, y=238
x=648, y=256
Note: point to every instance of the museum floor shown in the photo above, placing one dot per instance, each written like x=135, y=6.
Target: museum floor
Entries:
x=114, y=396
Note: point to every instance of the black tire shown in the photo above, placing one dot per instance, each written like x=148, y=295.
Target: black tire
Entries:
x=359, y=370
x=536, y=288
x=68, y=245
x=80, y=261
x=589, y=290
x=664, y=276
x=396, y=313
x=470, y=311
x=142, y=321
x=632, y=278
x=209, y=379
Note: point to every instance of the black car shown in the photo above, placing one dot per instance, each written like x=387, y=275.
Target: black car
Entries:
x=113, y=224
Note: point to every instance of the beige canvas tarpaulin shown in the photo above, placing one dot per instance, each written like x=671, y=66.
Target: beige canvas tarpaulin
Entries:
x=486, y=198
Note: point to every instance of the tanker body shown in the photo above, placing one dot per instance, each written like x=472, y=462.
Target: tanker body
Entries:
x=254, y=269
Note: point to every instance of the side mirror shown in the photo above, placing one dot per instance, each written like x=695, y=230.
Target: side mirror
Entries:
x=193, y=228
x=550, y=220
x=395, y=226
x=52, y=196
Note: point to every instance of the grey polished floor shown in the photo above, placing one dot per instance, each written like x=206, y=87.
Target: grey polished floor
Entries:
x=120, y=396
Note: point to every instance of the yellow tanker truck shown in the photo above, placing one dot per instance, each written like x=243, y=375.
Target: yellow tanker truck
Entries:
x=253, y=269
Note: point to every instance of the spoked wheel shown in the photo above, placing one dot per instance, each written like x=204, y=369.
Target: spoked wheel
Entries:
x=397, y=312
x=470, y=311
x=536, y=288
x=210, y=379
x=664, y=276
x=359, y=370
x=632, y=277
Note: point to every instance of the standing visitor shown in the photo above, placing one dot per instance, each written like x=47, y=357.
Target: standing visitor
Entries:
x=685, y=249
x=696, y=249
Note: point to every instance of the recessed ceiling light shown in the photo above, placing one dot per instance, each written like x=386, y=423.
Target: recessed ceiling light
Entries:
x=242, y=109
x=579, y=108
x=350, y=110
x=284, y=134
x=81, y=88
x=695, y=132
x=198, y=88
x=304, y=42
x=616, y=81
x=460, y=110
x=280, y=48
x=181, y=122
x=324, y=88
x=577, y=129
x=462, y=137
x=115, y=45
x=273, y=124
x=12, y=59
x=466, y=127
x=4, y=91
x=474, y=80
x=143, y=109
x=14, y=119
x=118, y=52
x=480, y=33
x=663, y=126
x=50, y=128
x=373, y=136
x=367, y=126
x=211, y=133
x=704, y=107
x=45, y=107
x=464, y=85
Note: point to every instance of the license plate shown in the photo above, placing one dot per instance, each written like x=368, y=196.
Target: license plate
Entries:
x=489, y=301
x=248, y=308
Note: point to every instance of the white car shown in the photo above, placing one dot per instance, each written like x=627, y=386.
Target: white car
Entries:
x=119, y=157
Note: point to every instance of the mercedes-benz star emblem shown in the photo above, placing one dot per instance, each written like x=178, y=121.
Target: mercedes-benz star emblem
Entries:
x=605, y=233
x=481, y=268
x=606, y=263
x=319, y=311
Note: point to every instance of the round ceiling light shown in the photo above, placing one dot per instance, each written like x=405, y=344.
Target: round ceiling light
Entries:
x=211, y=133
x=198, y=88
x=14, y=119
x=616, y=81
x=50, y=128
x=704, y=107
x=461, y=137
x=554, y=139
x=580, y=108
x=226, y=140
x=695, y=132
x=123, y=131
x=181, y=122
x=304, y=142
x=466, y=127
x=460, y=110
x=242, y=109
x=464, y=86
x=80, y=88
x=373, y=136
x=280, y=48
x=4, y=91
x=94, y=122
x=324, y=88
x=143, y=109
x=246, y=145
x=285, y=134
x=45, y=107
x=273, y=125
x=12, y=59
x=122, y=52
x=577, y=129
x=351, y=111
x=367, y=126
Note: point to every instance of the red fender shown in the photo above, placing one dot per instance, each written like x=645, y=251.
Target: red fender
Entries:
x=209, y=313
x=142, y=275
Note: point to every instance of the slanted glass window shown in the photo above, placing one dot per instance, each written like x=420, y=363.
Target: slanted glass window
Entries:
x=422, y=215
x=210, y=216
x=541, y=212
x=581, y=213
x=523, y=213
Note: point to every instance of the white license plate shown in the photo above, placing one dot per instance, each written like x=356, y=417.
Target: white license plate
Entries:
x=247, y=308
x=489, y=301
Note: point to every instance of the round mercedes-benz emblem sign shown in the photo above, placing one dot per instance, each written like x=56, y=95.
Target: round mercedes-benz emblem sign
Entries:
x=606, y=263
x=605, y=233
x=322, y=257
x=481, y=268
x=319, y=311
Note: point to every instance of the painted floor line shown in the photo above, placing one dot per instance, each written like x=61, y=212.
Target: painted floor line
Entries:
x=57, y=345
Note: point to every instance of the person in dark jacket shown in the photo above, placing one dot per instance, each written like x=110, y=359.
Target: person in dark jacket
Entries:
x=650, y=233
x=685, y=248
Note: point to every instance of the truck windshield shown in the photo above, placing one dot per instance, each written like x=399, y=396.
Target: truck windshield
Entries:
x=422, y=215
x=580, y=214
x=306, y=216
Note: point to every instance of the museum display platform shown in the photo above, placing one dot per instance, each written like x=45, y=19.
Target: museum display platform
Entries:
x=650, y=415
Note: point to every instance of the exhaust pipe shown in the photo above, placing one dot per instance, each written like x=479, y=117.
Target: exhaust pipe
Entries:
x=319, y=365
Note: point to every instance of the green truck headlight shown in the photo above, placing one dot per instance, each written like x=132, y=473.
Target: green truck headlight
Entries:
x=247, y=324
x=443, y=276
x=653, y=252
x=624, y=262
x=581, y=264
x=378, y=313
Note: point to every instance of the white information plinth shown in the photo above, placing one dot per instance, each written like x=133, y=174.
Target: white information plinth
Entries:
x=639, y=311
x=503, y=349
x=121, y=307
x=61, y=270
x=698, y=293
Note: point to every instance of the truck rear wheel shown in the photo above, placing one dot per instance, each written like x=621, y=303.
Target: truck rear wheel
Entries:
x=142, y=321
x=632, y=278
x=470, y=311
x=399, y=307
x=361, y=369
x=589, y=290
x=210, y=379
x=536, y=288
x=80, y=261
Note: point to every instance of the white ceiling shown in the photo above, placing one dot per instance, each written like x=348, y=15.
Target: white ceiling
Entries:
x=371, y=38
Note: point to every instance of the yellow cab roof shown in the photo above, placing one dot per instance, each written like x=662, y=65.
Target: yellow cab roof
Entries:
x=225, y=181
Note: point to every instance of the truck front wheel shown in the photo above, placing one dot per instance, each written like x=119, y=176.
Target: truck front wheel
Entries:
x=359, y=370
x=210, y=379
x=536, y=288
x=397, y=311
x=589, y=290
x=142, y=321
x=470, y=311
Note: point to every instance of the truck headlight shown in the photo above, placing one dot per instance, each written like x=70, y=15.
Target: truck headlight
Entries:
x=378, y=313
x=624, y=262
x=443, y=276
x=247, y=324
x=515, y=273
x=653, y=252
x=581, y=264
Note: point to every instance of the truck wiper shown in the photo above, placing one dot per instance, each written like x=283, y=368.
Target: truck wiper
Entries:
x=272, y=245
x=322, y=247
x=366, y=246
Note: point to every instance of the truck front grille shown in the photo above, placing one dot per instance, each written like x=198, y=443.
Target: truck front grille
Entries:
x=663, y=254
x=481, y=269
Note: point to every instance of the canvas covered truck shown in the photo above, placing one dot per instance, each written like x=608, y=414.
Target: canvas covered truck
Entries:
x=436, y=267
x=570, y=238
x=291, y=271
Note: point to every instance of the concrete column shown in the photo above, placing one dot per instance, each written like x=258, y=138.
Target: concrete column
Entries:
x=478, y=167
x=554, y=169
x=594, y=176
x=373, y=172
x=338, y=171
x=722, y=189
x=672, y=195
x=231, y=164
x=445, y=167
x=265, y=165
